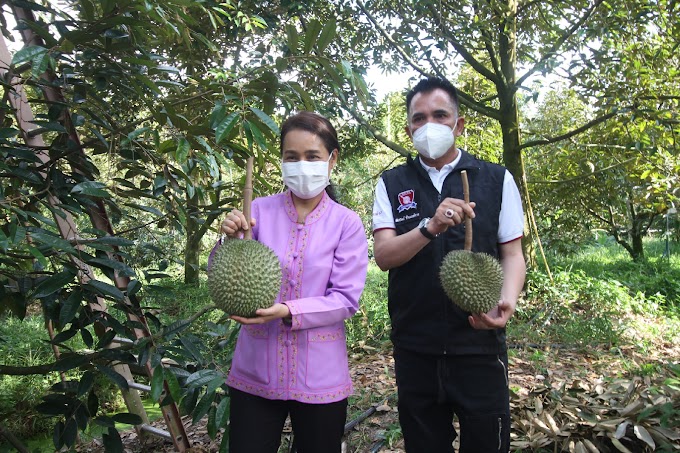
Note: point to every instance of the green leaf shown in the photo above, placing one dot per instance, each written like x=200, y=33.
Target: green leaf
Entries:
x=51, y=409
x=105, y=421
x=327, y=34
x=82, y=417
x=192, y=349
x=27, y=54
x=224, y=443
x=86, y=383
x=87, y=337
x=69, y=307
x=311, y=34
x=123, y=269
x=57, y=435
x=150, y=209
x=106, y=290
x=157, y=383
x=133, y=287
x=53, y=284
x=92, y=189
x=38, y=256
x=70, y=433
x=113, y=240
x=202, y=407
x=106, y=339
x=92, y=403
x=63, y=336
x=225, y=126
x=8, y=132
x=266, y=119
x=257, y=135
x=114, y=376
x=303, y=94
x=39, y=65
x=182, y=151
x=211, y=426
x=112, y=442
x=127, y=418
x=202, y=377
x=53, y=241
x=71, y=361
x=173, y=385
x=292, y=34
x=222, y=413
x=175, y=328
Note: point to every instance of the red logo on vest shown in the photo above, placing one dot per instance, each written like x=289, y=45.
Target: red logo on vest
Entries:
x=406, y=200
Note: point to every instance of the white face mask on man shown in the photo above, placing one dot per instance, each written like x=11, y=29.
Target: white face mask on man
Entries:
x=306, y=179
x=433, y=140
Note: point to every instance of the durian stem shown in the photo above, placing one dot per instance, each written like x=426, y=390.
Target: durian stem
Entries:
x=248, y=196
x=468, y=220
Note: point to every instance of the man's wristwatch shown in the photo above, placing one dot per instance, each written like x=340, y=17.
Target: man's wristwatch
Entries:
x=423, y=229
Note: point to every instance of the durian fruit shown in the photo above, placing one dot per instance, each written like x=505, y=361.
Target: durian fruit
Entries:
x=473, y=281
x=245, y=275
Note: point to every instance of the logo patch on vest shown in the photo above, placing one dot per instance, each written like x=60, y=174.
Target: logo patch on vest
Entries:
x=406, y=200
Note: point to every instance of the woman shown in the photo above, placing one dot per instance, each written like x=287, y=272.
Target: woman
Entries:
x=291, y=359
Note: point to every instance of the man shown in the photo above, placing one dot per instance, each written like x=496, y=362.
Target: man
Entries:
x=447, y=361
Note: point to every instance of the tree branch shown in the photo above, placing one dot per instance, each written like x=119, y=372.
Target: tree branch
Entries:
x=462, y=51
x=392, y=42
x=580, y=177
x=560, y=41
x=569, y=134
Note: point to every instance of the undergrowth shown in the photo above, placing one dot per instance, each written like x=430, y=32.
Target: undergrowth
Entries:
x=595, y=298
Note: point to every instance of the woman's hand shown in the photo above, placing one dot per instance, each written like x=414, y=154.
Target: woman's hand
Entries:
x=235, y=224
x=264, y=315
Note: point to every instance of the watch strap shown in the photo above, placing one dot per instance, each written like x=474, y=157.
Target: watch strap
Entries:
x=427, y=234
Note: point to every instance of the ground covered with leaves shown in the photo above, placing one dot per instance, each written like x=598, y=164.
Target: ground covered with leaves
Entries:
x=563, y=399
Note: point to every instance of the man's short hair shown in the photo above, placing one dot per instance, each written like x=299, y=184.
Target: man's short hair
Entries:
x=429, y=84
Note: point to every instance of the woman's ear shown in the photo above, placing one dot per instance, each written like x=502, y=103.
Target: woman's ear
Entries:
x=332, y=160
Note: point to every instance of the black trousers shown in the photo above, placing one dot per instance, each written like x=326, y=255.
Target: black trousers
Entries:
x=433, y=388
x=256, y=424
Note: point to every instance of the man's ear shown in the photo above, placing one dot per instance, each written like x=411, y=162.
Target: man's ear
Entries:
x=408, y=132
x=460, y=126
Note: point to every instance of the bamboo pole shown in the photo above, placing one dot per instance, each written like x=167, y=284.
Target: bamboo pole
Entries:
x=468, y=219
x=248, y=197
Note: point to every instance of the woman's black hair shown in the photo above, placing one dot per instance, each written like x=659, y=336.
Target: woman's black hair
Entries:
x=318, y=125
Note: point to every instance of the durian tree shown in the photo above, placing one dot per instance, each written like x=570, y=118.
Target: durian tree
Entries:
x=515, y=46
x=150, y=130
x=620, y=177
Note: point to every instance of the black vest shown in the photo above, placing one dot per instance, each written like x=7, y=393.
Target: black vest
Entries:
x=423, y=318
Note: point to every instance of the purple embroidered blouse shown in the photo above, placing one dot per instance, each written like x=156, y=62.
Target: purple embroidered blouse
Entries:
x=324, y=266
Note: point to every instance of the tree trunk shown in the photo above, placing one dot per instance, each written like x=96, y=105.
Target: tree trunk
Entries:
x=509, y=121
x=192, y=248
x=638, y=251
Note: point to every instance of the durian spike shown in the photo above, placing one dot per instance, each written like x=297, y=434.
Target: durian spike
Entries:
x=248, y=196
x=468, y=219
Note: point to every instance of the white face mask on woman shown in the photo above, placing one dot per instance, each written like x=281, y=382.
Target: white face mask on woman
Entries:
x=306, y=179
x=433, y=140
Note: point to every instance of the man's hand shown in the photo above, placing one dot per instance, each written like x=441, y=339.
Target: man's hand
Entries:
x=450, y=212
x=496, y=318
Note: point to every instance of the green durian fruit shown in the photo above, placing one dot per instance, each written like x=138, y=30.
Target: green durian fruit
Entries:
x=473, y=281
x=245, y=275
